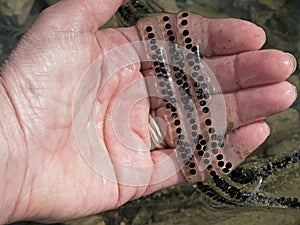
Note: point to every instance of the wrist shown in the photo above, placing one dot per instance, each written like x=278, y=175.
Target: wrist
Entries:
x=13, y=167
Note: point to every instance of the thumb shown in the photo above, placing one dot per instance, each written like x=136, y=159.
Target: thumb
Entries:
x=78, y=15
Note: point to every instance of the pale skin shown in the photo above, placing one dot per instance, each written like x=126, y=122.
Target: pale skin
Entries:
x=44, y=176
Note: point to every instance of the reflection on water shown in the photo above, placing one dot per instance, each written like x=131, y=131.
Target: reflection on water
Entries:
x=183, y=205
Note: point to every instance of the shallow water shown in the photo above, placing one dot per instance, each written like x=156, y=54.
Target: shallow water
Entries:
x=182, y=204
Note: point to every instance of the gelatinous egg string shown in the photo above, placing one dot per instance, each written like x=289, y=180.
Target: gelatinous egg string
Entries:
x=258, y=173
x=266, y=170
x=190, y=92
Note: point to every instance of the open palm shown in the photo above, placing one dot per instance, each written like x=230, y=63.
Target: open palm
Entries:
x=40, y=81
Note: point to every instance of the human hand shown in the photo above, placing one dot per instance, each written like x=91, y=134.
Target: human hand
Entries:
x=45, y=175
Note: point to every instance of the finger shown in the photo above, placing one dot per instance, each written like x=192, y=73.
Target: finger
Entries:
x=247, y=106
x=238, y=146
x=78, y=15
x=250, y=69
x=226, y=36
x=243, y=141
x=213, y=36
x=243, y=107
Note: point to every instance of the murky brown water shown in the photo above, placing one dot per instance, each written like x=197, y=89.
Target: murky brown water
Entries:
x=182, y=204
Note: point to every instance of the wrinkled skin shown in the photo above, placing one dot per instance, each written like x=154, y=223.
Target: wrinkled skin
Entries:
x=45, y=176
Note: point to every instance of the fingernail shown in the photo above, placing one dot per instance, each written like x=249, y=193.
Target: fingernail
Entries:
x=292, y=61
x=290, y=92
